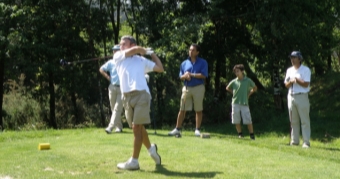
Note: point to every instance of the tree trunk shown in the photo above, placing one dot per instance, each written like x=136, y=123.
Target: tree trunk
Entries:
x=329, y=62
x=75, y=107
x=2, y=73
x=252, y=75
x=338, y=55
x=277, y=86
x=53, y=122
x=98, y=75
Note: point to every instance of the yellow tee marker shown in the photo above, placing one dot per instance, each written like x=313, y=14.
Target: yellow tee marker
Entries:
x=44, y=146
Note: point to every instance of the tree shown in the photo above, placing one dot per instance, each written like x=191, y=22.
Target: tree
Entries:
x=49, y=30
x=6, y=24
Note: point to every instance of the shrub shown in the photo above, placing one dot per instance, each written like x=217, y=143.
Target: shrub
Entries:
x=22, y=111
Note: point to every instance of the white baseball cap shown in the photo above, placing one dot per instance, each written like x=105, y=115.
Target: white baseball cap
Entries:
x=116, y=47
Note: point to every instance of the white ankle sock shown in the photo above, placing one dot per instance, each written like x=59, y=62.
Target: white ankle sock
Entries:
x=133, y=159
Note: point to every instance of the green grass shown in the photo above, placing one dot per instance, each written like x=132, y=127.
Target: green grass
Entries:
x=91, y=153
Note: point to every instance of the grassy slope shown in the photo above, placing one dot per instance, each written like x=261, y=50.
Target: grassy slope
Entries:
x=90, y=153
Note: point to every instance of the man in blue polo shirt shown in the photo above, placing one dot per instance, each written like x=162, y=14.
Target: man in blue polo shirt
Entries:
x=193, y=72
x=115, y=95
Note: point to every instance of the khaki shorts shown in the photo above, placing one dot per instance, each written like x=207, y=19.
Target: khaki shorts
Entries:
x=137, y=107
x=238, y=111
x=192, y=95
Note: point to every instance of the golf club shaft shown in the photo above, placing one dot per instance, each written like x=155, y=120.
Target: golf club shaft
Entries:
x=185, y=94
x=87, y=60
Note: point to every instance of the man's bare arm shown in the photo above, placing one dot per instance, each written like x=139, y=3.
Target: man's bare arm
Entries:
x=229, y=90
x=105, y=75
x=134, y=51
x=159, y=66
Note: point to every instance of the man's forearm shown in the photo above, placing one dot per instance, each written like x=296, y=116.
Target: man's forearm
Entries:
x=158, y=64
x=197, y=75
x=302, y=83
x=134, y=51
x=157, y=61
x=288, y=84
x=105, y=75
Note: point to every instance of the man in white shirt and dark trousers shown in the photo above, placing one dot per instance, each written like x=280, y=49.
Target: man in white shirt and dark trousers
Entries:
x=131, y=69
x=297, y=80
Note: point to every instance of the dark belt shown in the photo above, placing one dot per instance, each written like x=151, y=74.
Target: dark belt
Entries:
x=296, y=94
x=116, y=85
x=194, y=86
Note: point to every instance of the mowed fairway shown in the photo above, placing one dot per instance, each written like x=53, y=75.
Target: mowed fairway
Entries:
x=91, y=153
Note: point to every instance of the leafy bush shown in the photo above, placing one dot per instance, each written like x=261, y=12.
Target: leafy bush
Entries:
x=79, y=115
x=22, y=111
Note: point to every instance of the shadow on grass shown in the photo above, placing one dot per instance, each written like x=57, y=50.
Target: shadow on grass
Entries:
x=159, y=134
x=330, y=149
x=162, y=170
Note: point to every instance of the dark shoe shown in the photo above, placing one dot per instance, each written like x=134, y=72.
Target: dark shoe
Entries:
x=291, y=143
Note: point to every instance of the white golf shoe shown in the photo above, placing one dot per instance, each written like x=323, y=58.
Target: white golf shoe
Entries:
x=108, y=130
x=118, y=130
x=306, y=146
x=129, y=165
x=154, y=155
x=197, y=133
x=174, y=132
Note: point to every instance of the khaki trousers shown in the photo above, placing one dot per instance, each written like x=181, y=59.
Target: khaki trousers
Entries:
x=116, y=104
x=298, y=106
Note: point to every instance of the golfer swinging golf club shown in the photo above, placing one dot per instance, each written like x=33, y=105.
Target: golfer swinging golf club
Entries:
x=131, y=69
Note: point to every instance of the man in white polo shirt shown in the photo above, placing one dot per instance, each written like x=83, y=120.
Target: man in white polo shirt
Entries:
x=297, y=80
x=131, y=69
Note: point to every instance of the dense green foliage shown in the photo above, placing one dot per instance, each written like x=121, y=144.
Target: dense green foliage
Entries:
x=36, y=34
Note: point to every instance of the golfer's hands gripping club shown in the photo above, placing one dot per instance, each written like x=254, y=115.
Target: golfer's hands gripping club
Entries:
x=187, y=76
x=149, y=51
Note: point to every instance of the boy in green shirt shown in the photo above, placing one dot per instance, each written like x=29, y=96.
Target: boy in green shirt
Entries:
x=241, y=88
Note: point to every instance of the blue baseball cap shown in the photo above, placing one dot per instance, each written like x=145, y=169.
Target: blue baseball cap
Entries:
x=296, y=54
x=116, y=47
